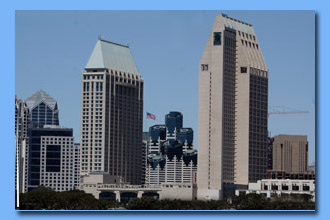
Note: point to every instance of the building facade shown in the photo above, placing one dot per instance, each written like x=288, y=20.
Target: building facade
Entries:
x=53, y=159
x=274, y=174
x=290, y=153
x=22, y=118
x=232, y=109
x=144, y=152
x=171, y=157
x=43, y=109
x=111, y=115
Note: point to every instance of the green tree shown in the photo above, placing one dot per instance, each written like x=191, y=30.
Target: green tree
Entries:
x=145, y=203
x=40, y=198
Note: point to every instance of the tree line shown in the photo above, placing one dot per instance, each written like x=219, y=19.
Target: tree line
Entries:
x=47, y=199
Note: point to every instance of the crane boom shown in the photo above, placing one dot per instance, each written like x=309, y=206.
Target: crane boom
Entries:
x=284, y=111
x=288, y=112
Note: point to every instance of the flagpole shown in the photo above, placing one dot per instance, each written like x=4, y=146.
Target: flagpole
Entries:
x=146, y=123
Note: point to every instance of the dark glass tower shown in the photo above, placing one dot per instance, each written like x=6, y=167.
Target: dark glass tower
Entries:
x=173, y=122
x=43, y=109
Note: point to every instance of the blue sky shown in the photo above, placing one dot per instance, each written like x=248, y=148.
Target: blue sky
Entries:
x=52, y=48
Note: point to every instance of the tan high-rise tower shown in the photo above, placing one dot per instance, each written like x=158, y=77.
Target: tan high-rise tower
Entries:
x=111, y=116
x=232, y=109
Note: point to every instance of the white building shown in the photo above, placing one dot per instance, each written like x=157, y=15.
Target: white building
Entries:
x=170, y=191
x=232, y=109
x=21, y=145
x=171, y=157
x=272, y=187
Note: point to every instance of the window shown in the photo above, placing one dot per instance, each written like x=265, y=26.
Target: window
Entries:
x=305, y=188
x=295, y=187
x=204, y=67
x=243, y=69
x=217, y=38
x=53, y=156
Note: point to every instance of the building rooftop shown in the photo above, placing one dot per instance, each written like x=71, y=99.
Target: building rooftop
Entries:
x=40, y=96
x=237, y=25
x=110, y=55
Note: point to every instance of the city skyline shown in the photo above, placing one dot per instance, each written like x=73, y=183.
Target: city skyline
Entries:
x=175, y=75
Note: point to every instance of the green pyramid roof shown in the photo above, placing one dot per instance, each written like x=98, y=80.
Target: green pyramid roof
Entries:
x=109, y=55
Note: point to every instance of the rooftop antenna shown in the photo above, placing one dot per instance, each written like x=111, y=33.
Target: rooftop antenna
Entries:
x=99, y=37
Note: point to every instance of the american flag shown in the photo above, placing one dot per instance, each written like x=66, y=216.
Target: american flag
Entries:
x=151, y=116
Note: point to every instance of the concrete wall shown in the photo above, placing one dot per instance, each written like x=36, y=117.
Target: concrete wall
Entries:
x=180, y=191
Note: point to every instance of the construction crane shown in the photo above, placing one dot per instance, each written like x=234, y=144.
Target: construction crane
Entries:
x=284, y=110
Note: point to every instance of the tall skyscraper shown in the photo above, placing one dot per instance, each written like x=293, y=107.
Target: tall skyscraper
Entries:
x=232, y=109
x=290, y=153
x=171, y=156
x=22, y=118
x=111, y=115
x=43, y=109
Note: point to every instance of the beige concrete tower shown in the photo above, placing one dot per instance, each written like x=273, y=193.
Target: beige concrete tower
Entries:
x=232, y=110
x=111, y=116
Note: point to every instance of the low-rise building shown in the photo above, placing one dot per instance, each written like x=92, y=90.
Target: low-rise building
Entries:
x=182, y=191
x=277, y=187
x=274, y=174
x=125, y=192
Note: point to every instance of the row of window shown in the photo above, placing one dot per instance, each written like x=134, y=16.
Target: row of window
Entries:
x=93, y=77
x=248, y=43
x=246, y=35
